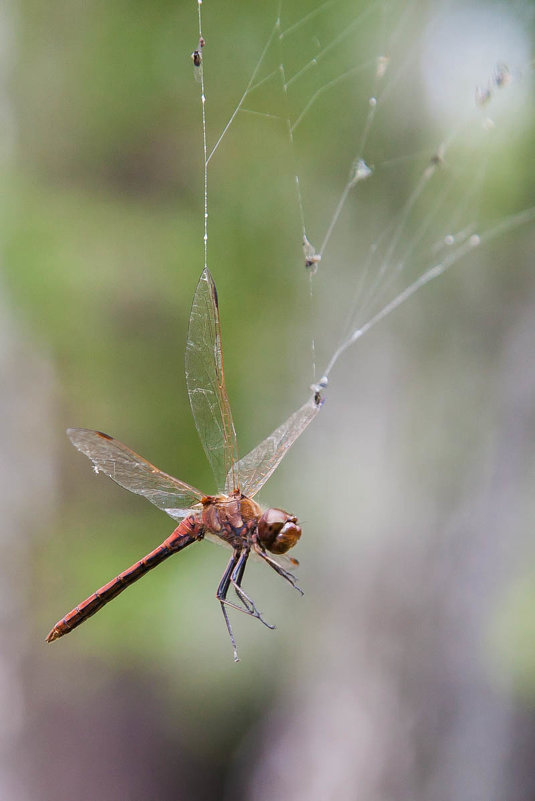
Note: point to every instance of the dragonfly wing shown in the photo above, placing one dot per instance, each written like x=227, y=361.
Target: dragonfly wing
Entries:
x=257, y=466
x=134, y=473
x=205, y=379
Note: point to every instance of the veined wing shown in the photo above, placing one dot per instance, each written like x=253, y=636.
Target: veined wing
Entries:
x=134, y=473
x=256, y=467
x=205, y=379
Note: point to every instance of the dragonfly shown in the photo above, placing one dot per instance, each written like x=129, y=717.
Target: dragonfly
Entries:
x=232, y=516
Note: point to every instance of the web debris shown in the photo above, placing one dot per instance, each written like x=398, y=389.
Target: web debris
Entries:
x=313, y=60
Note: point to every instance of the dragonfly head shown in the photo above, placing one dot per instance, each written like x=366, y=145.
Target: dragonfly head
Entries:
x=278, y=531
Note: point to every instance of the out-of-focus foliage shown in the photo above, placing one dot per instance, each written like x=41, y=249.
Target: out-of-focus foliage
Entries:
x=423, y=447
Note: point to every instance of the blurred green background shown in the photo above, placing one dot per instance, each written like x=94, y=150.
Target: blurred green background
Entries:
x=408, y=668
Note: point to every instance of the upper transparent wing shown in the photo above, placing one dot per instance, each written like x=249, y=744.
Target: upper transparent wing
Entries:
x=206, y=383
x=134, y=473
x=256, y=467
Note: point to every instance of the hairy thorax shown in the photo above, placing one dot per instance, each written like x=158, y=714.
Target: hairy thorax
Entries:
x=233, y=518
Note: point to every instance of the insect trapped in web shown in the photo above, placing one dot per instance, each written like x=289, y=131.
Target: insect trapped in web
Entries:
x=402, y=256
x=232, y=516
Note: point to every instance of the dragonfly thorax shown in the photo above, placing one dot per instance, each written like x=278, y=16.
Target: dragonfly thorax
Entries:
x=233, y=517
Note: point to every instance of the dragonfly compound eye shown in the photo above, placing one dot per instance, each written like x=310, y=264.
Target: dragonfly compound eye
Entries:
x=278, y=531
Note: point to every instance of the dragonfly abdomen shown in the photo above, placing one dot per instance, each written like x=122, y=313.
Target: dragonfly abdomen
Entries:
x=188, y=531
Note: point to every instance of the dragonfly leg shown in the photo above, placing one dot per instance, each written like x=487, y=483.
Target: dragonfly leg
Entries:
x=236, y=579
x=289, y=577
x=222, y=598
x=233, y=575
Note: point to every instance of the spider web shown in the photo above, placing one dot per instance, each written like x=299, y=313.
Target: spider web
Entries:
x=414, y=141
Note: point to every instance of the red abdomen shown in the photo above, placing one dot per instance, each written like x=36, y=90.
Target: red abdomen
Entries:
x=188, y=531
